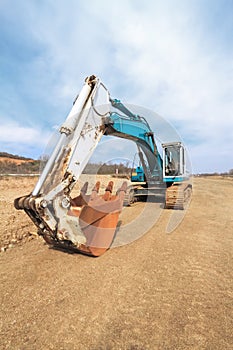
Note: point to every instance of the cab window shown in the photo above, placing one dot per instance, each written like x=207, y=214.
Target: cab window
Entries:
x=172, y=161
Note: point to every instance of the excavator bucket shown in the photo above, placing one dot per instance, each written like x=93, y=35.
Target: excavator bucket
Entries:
x=98, y=217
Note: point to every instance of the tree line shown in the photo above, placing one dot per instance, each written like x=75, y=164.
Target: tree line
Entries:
x=104, y=169
x=226, y=173
x=8, y=167
x=34, y=167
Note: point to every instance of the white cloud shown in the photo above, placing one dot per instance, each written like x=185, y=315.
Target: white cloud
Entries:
x=16, y=133
x=23, y=140
x=170, y=68
x=160, y=55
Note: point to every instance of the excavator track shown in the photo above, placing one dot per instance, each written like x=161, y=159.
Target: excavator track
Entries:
x=178, y=196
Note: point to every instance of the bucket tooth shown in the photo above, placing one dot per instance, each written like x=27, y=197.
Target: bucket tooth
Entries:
x=98, y=219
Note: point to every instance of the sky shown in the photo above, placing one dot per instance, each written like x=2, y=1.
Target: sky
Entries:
x=172, y=57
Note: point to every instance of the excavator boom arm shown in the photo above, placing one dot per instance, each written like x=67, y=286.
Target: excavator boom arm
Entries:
x=87, y=222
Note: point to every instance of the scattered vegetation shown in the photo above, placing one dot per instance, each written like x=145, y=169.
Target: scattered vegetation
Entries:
x=104, y=169
x=14, y=164
x=225, y=174
x=9, y=167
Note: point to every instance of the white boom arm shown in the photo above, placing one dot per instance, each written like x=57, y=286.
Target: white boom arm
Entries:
x=80, y=134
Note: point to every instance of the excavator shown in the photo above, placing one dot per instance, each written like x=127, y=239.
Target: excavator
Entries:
x=87, y=222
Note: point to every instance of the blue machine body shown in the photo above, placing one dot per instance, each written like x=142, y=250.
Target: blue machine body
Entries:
x=152, y=168
x=138, y=175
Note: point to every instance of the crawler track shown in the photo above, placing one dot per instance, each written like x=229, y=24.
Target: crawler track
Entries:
x=178, y=196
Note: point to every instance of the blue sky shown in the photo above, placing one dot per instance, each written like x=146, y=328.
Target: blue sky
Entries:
x=172, y=57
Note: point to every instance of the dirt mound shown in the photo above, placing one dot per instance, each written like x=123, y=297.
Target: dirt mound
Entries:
x=15, y=228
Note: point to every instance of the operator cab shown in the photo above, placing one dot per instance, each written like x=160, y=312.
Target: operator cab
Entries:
x=173, y=162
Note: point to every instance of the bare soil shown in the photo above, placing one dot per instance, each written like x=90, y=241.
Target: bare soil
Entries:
x=15, y=161
x=163, y=291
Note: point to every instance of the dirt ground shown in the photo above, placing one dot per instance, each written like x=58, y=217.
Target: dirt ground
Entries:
x=163, y=291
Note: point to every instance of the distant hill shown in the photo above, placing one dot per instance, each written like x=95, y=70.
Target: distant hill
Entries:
x=14, y=164
x=13, y=156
